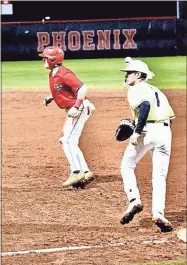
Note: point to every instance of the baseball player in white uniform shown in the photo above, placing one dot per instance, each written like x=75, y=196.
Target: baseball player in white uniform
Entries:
x=152, y=114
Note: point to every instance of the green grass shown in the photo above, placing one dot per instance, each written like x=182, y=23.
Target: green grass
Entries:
x=170, y=72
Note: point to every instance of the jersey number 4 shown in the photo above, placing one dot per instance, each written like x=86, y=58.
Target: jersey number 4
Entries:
x=157, y=99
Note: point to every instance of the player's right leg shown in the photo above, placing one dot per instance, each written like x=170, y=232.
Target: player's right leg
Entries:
x=160, y=159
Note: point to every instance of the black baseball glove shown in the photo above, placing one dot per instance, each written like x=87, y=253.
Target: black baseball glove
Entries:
x=125, y=129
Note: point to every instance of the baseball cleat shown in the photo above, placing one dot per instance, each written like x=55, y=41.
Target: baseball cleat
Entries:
x=129, y=214
x=164, y=225
x=73, y=179
x=79, y=185
x=89, y=176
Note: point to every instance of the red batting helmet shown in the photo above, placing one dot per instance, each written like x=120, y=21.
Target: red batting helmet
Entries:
x=54, y=55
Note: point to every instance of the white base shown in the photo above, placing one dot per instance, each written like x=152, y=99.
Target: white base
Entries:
x=182, y=234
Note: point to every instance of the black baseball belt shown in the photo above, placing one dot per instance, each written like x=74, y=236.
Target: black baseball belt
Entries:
x=165, y=123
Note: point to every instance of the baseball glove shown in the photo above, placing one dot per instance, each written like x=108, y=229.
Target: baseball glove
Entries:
x=125, y=129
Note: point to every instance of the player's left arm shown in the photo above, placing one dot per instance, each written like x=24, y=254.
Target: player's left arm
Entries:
x=77, y=86
x=75, y=111
x=81, y=95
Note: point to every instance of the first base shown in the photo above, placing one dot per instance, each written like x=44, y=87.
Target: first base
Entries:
x=182, y=234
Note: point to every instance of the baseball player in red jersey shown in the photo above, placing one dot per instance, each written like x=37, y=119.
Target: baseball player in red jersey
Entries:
x=69, y=93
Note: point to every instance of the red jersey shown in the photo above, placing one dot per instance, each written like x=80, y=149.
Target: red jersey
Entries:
x=64, y=87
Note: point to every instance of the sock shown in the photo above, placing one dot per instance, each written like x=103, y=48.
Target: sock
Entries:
x=76, y=171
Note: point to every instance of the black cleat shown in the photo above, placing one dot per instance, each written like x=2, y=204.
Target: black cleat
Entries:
x=130, y=213
x=80, y=185
x=165, y=228
x=164, y=225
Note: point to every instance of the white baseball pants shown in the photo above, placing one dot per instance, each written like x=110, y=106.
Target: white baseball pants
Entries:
x=71, y=133
x=157, y=140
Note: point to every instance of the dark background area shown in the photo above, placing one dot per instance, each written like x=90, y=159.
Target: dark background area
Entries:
x=65, y=10
x=154, y=37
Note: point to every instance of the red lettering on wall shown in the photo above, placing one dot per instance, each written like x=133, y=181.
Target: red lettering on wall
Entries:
x=103, y=39
x=117, y=45
x=59, y=39
x=129, y=43
x=88, y=40
x=74, y=43
x=43, y=40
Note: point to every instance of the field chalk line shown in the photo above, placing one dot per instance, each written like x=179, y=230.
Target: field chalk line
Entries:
x=71, y=248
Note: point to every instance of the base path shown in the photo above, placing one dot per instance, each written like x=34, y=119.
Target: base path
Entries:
x=38, y=214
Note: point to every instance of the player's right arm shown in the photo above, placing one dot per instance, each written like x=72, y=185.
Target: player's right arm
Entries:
x=140, y=103
x=48, y=100
x=143, y=112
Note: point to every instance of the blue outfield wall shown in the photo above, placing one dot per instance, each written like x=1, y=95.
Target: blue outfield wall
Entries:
x=93, y=39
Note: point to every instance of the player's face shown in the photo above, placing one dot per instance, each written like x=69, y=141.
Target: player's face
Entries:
x=130, y=78
x=46, y=65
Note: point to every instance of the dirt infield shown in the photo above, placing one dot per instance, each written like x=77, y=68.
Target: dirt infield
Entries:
x=37, y=213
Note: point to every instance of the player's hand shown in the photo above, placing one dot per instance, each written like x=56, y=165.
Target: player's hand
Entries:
x=48, y=100
x=134, y=139
x=74, y=112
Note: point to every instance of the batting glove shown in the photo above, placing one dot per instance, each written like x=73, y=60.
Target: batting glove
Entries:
x=48, y=100
x=74, y=112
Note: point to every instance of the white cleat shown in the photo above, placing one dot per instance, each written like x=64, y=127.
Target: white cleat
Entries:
x=89, y=176
x=73, y=179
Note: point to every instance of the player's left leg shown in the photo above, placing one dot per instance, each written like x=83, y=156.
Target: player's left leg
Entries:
x=72, y=132
x=77, y=131
x=64, y=140
x=131, y=157
x=73, y=143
